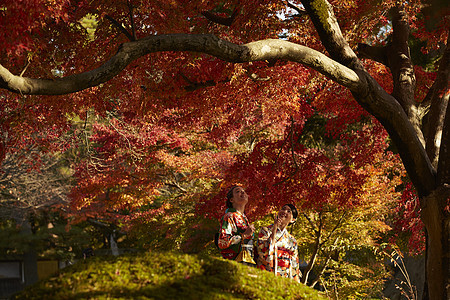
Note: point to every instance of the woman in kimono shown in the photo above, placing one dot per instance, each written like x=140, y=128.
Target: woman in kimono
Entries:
x=236, y=232
x=277, y=248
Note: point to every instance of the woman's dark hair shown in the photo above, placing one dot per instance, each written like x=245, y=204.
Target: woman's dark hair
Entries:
x=230, y=195
x=294, y=212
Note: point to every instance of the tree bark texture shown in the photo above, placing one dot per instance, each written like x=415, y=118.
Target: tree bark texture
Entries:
x=436, y=217
x=270, y=49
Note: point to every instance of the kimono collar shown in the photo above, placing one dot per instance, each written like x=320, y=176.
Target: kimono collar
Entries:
x=232, y=209
x=282, y=232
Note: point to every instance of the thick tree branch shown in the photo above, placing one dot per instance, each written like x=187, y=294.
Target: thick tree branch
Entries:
x=443, y=173
x=325, y=22
x=405, y=134
x=386, y=109
x=256, y=51
x=376, y=53
x=436, y=102
x=402, y=70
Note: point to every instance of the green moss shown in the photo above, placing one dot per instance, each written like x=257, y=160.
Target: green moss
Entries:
x=165, y=276
x=321, y=10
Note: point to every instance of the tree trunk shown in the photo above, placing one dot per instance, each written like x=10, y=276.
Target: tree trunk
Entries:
x=30, y=268
x=312, y=261
x=113, y=244
x=436, y=217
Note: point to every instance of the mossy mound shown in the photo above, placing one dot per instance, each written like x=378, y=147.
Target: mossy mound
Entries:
x=165, y=276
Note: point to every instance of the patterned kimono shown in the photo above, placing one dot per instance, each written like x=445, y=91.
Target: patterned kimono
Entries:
x=232, y=225
x=284, y=249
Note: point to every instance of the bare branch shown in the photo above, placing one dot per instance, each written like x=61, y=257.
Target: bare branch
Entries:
x=291, y=134
x=120, y=27
x=300, y=12
x=337, y=225
x=255, y=77
x=26, y=190
x=26, y=66
x=133, y=28
x=310, y=222
x=227, y=21
x=324, y=266
x=192, y=86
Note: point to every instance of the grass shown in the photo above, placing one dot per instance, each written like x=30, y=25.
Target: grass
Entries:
x=170, y=275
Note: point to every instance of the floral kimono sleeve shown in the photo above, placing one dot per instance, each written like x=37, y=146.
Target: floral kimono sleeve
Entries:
x=229, y=236
x=265, y=249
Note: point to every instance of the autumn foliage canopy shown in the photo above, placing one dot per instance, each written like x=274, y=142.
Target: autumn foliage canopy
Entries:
x=192, y=124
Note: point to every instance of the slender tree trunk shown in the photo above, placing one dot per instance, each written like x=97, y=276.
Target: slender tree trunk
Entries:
x=113, y=244
x=436, y=217
x=30, y=267
x=29, y=258
x=312, y=261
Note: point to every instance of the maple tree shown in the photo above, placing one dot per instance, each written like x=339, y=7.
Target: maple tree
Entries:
x=343, y=188
x=220, y=72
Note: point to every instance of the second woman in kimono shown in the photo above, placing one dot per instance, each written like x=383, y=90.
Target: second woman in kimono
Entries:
x=277, y=248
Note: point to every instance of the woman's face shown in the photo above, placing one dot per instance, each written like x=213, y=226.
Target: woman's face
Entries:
x=240, y=197
x=285, y=215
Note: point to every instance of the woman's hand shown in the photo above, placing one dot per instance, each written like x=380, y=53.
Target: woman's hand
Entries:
x=276, y=223
x=249, y=231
